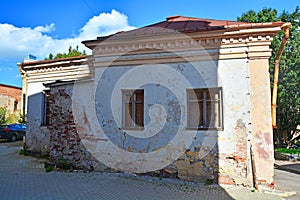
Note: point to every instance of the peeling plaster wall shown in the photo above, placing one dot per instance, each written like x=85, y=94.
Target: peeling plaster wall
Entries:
x=263, y=148
x=86, y=127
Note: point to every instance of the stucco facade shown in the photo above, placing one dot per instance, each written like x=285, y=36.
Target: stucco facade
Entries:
x=189, y=101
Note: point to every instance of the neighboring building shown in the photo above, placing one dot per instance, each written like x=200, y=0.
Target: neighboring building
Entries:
x=185, y=97
x=11, y=99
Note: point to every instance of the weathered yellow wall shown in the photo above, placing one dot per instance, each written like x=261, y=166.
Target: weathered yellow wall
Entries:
x=262, y=134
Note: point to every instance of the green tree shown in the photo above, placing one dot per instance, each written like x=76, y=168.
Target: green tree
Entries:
x=288, y=106
x=72, y=52
x=265, y=15
x=50, y=56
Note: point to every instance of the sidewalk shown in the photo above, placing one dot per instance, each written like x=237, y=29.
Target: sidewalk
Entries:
x=23, y=177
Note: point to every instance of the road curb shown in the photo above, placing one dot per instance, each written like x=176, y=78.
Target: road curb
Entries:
x=281, y=167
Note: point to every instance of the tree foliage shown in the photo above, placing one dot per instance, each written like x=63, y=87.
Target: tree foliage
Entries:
x=72, y=52
x=288, y=106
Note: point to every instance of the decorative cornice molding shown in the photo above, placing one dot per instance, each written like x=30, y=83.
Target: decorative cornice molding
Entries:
x=183, y=50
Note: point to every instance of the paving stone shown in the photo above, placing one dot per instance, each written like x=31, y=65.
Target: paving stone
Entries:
x=23, y=177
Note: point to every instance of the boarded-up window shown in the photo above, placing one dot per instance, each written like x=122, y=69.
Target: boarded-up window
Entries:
x=133, y=108
x=205, y=108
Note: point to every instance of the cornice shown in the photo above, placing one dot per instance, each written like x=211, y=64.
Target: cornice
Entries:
x=52, y=73
x=183, y=50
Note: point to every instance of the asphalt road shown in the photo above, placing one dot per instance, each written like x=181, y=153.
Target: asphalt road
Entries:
x=288, y=181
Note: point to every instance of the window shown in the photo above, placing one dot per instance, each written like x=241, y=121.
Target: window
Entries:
x=133, y=108
x=15, y=105
x=205, y=108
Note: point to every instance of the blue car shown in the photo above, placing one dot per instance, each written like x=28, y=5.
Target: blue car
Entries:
x=12, y=132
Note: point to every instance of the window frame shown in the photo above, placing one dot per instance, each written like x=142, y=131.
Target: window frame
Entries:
x=125, y=94
x=204, y=114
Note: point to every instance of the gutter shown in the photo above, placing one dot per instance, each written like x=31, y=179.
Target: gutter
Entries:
x=286, y=28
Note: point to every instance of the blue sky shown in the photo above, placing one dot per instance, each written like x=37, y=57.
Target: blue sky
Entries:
x=42, y=27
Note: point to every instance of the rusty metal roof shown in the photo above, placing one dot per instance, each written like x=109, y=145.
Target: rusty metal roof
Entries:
x=187, y=25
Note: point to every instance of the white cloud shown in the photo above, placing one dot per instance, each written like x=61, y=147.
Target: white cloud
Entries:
x=105, y=24
x=17, y=43
x=45, y=29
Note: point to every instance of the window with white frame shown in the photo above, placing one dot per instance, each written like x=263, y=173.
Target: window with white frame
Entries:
x=204, y=108
x=133, y=108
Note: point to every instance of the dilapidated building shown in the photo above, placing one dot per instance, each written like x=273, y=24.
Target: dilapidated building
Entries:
x=185, y=97
x=36, y=96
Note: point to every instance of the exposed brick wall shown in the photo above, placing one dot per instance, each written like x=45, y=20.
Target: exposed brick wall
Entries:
x=191, y=167
x=8, y=96
x=11, y=91
x=235, y=168
x=64, y=140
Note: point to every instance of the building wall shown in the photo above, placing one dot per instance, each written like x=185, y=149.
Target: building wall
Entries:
x=65, y=143
x=35, y=75
x=86, y=127
x=262, y=132
x=8, y=96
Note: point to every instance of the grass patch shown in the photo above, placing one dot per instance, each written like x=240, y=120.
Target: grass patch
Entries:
x=209, y=182
x=48, y=169
x=288, y=151
x=21, y=152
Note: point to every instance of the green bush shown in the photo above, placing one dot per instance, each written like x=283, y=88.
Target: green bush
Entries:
x=288, y=151
x=21, y=152
x=48, y=169
x=12, y=118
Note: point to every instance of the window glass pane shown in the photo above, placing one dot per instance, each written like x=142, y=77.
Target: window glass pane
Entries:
x=195, y=94
x=212, y=94
x=195, y=117
x=212, y=113
x=128, y=115
x=139, y=114
x=216, y=108
x=139, y=96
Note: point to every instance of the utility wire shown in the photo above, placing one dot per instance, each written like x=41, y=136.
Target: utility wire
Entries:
x=91, y=9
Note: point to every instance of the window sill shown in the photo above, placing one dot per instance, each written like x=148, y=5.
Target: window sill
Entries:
x=133, y=128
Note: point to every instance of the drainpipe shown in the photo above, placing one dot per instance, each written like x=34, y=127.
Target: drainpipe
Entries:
x=285, y=27
x=24, y=90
